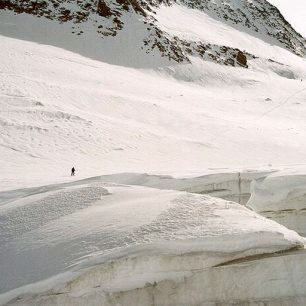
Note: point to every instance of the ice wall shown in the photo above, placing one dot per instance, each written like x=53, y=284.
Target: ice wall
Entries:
x=231, y=186
x=282, y=197
x=277, y=280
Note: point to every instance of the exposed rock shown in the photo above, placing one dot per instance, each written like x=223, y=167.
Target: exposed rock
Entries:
x=103, y=10
x=242, y=59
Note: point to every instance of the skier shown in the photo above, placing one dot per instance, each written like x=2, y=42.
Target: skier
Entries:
x=72, y=171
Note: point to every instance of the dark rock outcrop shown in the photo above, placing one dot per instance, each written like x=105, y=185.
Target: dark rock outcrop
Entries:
x=242, y=59
x=103, y=10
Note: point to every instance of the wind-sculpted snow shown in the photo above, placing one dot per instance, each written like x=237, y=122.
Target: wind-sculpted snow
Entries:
x=19, y=220
x=135, y=235
x=282, y=197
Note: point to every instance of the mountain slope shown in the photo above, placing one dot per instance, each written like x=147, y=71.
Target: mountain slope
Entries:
x=295, y=14
x=259, y=17
x=138, y=20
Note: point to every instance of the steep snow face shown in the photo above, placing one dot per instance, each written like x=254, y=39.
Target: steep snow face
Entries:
x=203, y=26
x=126, y=49
x=282, y=197
x=137, y=234
x=108, y=22
x=259, y=18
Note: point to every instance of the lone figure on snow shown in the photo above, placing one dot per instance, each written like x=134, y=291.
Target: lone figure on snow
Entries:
x=72, y=171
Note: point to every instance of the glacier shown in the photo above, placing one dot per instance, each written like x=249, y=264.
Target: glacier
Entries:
x=189, y=186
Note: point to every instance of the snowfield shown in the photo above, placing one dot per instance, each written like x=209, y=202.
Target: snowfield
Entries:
x=59, y=109
x=115, y=238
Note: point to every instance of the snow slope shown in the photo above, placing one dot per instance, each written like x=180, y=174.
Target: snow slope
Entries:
x=59, y=109
x=129, y=111
x=139, y=235
x=197, y=25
